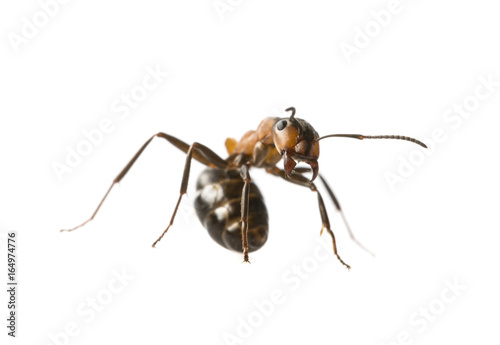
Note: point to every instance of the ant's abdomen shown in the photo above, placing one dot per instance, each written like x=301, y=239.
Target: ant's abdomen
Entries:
x=218, y=205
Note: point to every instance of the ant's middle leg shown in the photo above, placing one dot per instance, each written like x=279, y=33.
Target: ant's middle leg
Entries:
x=245, y=204
x=194, y=151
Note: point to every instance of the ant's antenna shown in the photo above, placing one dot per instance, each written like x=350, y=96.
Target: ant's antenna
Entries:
x=292, y=109
x=361, y=137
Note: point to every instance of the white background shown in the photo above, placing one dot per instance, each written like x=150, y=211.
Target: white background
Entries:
x=226, y=74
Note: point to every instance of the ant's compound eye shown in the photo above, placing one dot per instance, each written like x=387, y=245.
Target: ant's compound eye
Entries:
x=281, y=125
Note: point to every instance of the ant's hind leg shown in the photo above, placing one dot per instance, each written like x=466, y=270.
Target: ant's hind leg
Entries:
x=202, y=154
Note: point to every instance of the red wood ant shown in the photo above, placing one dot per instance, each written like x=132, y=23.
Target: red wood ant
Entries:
x=228, y=204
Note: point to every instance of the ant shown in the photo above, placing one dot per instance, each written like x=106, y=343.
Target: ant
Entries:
x=229, y=205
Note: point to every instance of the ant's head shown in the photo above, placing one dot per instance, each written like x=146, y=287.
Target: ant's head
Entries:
x=296, y=140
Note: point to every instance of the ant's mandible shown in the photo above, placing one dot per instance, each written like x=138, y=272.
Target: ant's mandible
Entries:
x=228, y=203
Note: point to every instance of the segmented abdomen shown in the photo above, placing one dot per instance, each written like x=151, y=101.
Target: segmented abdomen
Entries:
x=218, y=205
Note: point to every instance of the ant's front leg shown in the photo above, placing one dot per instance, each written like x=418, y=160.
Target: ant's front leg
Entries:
x=303, y=181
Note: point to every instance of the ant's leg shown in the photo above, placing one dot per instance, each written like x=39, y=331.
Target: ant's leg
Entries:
x=338, y=207
x=194, y=149
x=203, y=155
x=245, y=203
x=303, y=181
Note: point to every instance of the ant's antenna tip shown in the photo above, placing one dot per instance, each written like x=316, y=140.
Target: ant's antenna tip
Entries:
x=292, y=109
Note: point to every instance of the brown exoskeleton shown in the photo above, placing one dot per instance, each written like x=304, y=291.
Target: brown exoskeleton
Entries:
x=228, y=204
